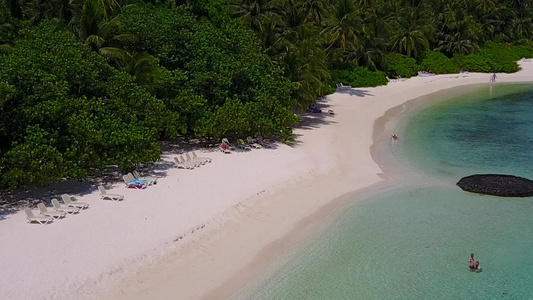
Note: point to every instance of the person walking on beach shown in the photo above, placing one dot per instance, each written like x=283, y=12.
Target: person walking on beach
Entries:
x=493, y=78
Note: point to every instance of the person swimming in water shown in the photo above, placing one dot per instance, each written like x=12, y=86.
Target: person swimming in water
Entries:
x=395, y=137
x=471, y=259
x=475, y=267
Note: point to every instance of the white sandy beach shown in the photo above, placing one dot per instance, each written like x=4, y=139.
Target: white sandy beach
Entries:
x=235, y=214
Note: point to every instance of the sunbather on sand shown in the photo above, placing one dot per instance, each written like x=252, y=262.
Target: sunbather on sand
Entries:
x=313, y=109
x=225, y=148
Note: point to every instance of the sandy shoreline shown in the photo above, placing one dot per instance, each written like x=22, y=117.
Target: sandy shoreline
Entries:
x=253, y=205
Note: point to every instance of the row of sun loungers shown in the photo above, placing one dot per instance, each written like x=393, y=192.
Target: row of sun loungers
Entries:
x=132, y=180
x=59, y=211
x=250, y=144
x=68, y=207
x=425, y=74
x=190, y=161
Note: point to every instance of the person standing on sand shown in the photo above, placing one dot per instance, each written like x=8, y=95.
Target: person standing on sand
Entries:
x=493, y=78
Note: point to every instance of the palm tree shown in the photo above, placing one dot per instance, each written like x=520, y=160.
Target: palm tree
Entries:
x=101, y=9
x=255, y=13
x=315, y=10
x=94, y=23
x=373, y=42
x=523, y=23
x=59, y=11
x=14, y=7
x=485, y=6
x=272, y=40
x=458, y=32
x=142, y=67
x=294, y=25
x=413, y=34
x=305, y=64
x=342, y=30
x=7, y=30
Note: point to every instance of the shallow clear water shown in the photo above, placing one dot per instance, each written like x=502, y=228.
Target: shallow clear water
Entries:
x=413, y=241
x=486, y=129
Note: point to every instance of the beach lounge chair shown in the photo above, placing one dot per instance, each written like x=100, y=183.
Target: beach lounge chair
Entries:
x=199, y=162
x=137, y=175
x=253, y=144
x=243, y=145
x=225, y=141
x=189, y=162
x=224, y=148
x=105, y=196
x=69, y=202
x=30, y=217
x=206, y=159
x=136, y=180
x=67, y=209
x=54, y=214
x=133, y=183
x=263, y=142
x=182, y=165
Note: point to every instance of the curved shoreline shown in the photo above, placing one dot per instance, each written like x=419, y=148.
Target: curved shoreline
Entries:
x=245, y=264
x=254, y=206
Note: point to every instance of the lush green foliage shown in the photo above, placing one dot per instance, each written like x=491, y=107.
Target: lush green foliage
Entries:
x=224, y=85
x=437, y=63
x=90, y=83
x=494, y=58
x=68, y=112
x=358, y=77
x=401, y=65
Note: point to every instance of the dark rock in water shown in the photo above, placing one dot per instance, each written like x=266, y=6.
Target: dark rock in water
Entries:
x=497, y=184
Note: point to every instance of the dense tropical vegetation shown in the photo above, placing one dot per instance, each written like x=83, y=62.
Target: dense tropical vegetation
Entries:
x=85, y=84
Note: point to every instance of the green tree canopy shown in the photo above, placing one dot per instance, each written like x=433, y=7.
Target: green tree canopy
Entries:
x=68, y=112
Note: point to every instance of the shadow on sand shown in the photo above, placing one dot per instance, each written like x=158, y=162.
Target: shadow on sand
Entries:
x=12, y=202
x=352, y=91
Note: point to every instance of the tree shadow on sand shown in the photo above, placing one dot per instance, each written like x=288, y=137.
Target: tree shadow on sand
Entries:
x=14, y=201
x=352, y=91
x=310, y=120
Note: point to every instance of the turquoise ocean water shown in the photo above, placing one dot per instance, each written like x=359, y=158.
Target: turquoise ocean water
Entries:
x=412, y=239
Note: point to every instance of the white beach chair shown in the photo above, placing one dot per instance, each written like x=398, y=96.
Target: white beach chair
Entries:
x=132, y=177
x=206, y=159
x=137, y=175
x=195, y=160
x=54, y=214
x=30, y=217
x=69, y=202
x=252, y=143
x=264, y=142
x=189, y=162
x=129, y=181
x=243, y=145
x=181, y=165
x=105, y=196
x=67, y=209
